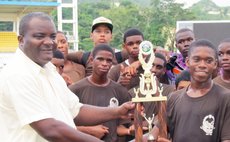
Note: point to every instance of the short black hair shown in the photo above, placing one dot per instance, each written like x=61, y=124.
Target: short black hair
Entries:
x=183, y=76
x=184, y=30
x=23, y=25
x=102, y=47
x=225, y=40
x=205, y=43
x=60, y=32
x=132, y=32
x=58, y=54
x=161, y=56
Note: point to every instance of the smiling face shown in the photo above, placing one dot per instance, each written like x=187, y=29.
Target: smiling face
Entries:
x=38, y=42
x=224, y=56
x=202, y=62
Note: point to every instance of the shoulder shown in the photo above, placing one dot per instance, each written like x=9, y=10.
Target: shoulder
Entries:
x=217, y=79
x=177, y=95
x=117, y=85
x=80, y=84
x=167, y=89
x=220, y=90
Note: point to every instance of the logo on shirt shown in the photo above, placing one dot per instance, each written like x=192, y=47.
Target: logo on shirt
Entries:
x=208, y=124
x=113, y=102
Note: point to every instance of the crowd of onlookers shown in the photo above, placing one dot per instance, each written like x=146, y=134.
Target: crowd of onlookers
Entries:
x=196, y=81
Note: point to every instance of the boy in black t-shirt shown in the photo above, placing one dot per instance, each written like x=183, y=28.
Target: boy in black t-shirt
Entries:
x=200, y=112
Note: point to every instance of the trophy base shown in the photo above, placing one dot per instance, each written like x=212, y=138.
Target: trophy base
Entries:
x=150, y=99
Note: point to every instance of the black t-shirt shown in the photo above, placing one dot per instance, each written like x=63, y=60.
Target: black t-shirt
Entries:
x=105, y=96
x=202, y=119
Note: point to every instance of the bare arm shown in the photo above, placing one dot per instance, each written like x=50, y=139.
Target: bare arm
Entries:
x=93, y=115
x=57, y=131
x=98, y=131
x=226, y=141
x=75, y=57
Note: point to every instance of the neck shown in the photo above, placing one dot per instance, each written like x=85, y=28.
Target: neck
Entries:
x=98, y=80
x=199, y=89
x=225, y=76
x=131, y=60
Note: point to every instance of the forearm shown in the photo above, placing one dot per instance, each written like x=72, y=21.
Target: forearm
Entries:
x=57, y=131
x=73, y=57
x=93, y=115
x=122, y=130
x=226, y=141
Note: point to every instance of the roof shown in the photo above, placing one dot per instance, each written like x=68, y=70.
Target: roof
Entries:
x=26, y=6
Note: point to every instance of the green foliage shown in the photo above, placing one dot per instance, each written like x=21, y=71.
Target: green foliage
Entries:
x=155, y=18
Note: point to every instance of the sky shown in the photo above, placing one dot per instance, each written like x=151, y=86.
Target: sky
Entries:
x=189, y=3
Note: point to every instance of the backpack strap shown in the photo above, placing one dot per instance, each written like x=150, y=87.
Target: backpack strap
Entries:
x=85, y=58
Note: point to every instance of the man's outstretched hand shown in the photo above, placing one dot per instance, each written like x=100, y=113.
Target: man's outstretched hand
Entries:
x=126, y=110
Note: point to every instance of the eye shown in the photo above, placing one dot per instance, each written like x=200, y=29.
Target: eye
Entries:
x=38, y=36
x=209, y=61
x=107, y=32
x=109, y=60
x=196, y=59
x=220, y=54
x=130, y=43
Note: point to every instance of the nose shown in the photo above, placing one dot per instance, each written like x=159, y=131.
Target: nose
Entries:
x=202, y=64
x=49, y=41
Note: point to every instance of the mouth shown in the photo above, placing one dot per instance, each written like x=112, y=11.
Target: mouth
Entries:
x=225, y=65
x=102, y=40
x=104, y=70
x=201, y=73
x=135, y=53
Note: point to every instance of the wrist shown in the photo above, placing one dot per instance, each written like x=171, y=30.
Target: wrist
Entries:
x=128, y=131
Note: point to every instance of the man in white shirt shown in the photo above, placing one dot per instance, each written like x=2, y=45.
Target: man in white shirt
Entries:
x=35, y=103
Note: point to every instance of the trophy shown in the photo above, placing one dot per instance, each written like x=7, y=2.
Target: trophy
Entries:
x=148, y=89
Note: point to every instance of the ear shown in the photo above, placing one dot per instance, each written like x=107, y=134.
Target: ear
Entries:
x=187, y=61
x=20, y=38
x=91, y=58
x=216, y=63
x=91, y=36
x=123, y=46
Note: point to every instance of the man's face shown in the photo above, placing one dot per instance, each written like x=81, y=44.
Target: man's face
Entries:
x=62, y=43
x=201, y=63
x=38, y=42
x=102, y=62
x=59, y=63
x=158, y=67
x=132, y=45
x=101, y=34
x=224, y=56
x=183, y=40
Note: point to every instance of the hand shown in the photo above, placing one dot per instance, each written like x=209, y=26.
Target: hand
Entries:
x=132, y=69
x=161, y=139
x=98, y=131
x=125, y=76
x=67, y=79
x=132, y=129
x=126, y=110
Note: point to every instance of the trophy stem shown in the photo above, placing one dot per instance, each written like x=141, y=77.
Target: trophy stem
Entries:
x=138, y=123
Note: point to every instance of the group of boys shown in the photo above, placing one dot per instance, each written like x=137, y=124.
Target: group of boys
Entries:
x=105, y=81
